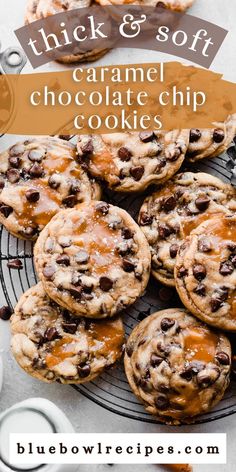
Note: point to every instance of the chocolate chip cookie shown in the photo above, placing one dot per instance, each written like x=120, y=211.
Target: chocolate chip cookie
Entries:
x=177, y=366
x=93, y=260
x=39, y=177
x=205, y=272
x=51, y=344
x=211, y=142
x=131, y=161
x=176, y=5
x=170, y=214
x=39, y=9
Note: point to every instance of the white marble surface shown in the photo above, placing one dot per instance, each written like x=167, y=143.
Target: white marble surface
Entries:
x=84, y=414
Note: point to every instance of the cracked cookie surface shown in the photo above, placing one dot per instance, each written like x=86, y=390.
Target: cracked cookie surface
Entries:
x=205, y=143
x=178, y=367
x=169, y=215
x=38, y=178
x=94, y=259
x=131, y=161
x=49, y=343
x=205, y=272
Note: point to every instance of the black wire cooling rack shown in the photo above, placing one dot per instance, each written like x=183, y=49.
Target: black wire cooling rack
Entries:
x=111, y=390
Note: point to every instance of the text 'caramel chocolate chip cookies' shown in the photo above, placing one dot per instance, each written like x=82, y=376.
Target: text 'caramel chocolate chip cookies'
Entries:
x=40, y=9
x=205, y=272
x=176, y=5
x=52, y=345
x=93, y=260
x=39, y=177
x=177, y=366
x=131, y=161
x=211, y=142
x=171, y=213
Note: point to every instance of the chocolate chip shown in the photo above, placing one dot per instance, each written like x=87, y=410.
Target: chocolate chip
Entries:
x=142, y=341
x=123, y=248
x=13, y=175
x=155, y=360
x=182, y=272
x=36, y=171
x=16, y=150
x=48, y=272
x=84, y=371
x=2, y=183
x=222, y=293
x=29, y=232
x=6, y=210
x=168, y=204
x=14, y=162
x=167, y=323
x=204, y=245
x=129, y=350
x=205, y=380
x=164, y=231
x=173, y=250
x=191, y=370
x=32, y=195
x=5, y=313
x=231, y=247
x=144, y=384
x=105, y=284
x=69, y=327
x=15, y=264
x=127, y=233
x=82, y=257
x=124, y=154
x=223, y=358
x=65, y=137
x=218, y=135
x=173, y=154
x=128, y=265
x=160, y=163
x=145, y=219
x=162, y=402
x=137, y=172
x=202, y=203
x=179, y=193
x=199, y=272
x=161, y=5
x=36, y=155
x=200, y=290
x=146, y=136
x=195, y=135
x=215, y=304
x=103, y=208
x=51, y=334
x=53, y=182
x=38, y=363
x=87, y=148
x=226, y=268
x=75, y=187
x=76, y=292
x=232, y=258
x=70, y=201
x=63, y=260
x=123, y=174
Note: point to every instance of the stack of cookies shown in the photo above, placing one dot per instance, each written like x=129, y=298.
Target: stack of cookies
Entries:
x=93, y=261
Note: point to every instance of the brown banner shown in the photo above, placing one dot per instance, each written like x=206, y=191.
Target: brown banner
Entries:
x=80, y=31
x=114, y=98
